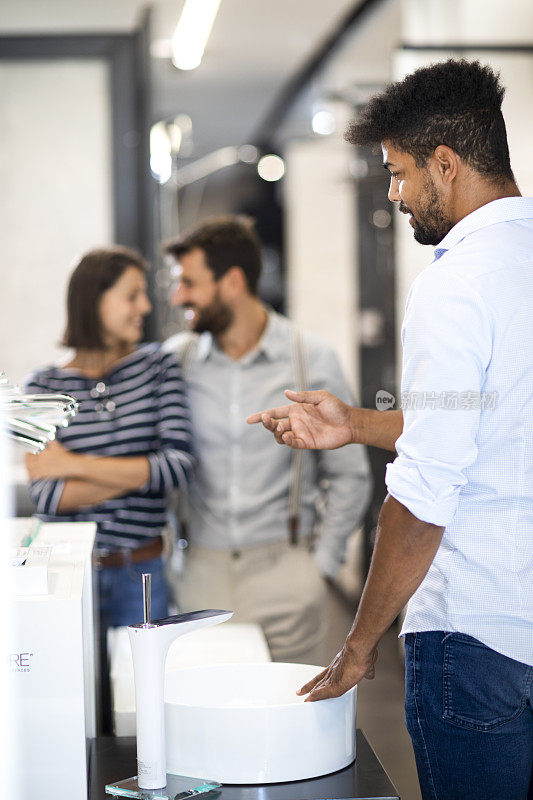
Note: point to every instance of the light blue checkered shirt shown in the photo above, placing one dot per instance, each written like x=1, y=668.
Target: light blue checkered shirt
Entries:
x=465, y=458
x=239, y=495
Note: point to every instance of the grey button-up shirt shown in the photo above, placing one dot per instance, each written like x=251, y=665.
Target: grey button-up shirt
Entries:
x=239, y=495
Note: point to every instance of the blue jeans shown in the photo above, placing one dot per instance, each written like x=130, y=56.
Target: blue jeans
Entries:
x=469, y=713
x=121, y=597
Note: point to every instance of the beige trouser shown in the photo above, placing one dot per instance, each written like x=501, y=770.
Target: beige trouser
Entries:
x=276, y=586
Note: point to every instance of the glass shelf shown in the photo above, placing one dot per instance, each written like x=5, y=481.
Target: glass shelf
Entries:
x=179, y=787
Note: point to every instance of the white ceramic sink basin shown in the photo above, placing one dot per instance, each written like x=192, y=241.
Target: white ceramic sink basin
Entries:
x=244, y=723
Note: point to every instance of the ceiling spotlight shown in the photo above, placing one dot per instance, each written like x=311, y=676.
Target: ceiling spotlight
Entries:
x=323, y=123
x=184, y=122
x=271, y=168
x=175, y=136
x=160, y=152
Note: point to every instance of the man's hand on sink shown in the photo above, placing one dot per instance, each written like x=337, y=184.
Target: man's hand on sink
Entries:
x=345, y=671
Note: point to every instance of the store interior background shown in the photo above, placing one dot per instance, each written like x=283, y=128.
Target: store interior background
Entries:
x=104, y=140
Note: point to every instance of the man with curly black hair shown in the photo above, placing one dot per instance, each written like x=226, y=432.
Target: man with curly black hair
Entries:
x=455, y=535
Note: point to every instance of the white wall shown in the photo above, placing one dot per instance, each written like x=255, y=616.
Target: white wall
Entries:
x=56, y=198
x=321, y=245
x=472, y=22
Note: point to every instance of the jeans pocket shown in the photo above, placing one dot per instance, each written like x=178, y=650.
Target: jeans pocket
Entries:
x=482, y=689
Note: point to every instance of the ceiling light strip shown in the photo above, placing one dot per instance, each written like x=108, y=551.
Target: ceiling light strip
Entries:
x=192, y=32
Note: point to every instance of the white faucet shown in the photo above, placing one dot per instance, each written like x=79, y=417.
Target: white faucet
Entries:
x=149, y=642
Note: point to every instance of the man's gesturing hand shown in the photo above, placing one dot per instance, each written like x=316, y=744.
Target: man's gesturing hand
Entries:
x=345, y=671
x=315, y=421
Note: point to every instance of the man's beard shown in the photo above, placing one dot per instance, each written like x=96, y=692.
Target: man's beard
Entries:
x=214, y=318
x=430, y=225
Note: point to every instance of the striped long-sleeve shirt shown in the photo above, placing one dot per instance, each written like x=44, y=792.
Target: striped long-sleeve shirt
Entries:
x=139, y=408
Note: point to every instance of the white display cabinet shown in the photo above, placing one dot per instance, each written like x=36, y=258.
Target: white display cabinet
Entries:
x=52, y=665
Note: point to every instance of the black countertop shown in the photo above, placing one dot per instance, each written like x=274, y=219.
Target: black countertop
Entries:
x=113, y=759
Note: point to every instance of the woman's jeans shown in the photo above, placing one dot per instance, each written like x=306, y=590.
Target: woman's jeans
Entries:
x=121, y=596
x=469, y=713
x=121, y=603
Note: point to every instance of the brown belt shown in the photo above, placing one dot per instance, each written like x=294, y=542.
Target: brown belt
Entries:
x=121, y=557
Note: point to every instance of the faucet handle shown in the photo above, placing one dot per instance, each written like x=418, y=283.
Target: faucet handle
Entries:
x=193, y=620
x=147, y=599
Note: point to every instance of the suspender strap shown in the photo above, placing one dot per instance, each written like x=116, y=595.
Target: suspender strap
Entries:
x=181, y=497
x=297, y=456
x=187, y=354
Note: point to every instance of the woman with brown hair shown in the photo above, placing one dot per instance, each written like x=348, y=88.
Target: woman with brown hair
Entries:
x=130, y=442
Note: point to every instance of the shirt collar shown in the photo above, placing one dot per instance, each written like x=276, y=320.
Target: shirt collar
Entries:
x=272, y=343
x=503, y=210
x=205, y=345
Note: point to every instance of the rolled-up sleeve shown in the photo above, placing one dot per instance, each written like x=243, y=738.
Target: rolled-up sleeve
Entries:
x=46, y=495
x=447, y=345
x=172, y=463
